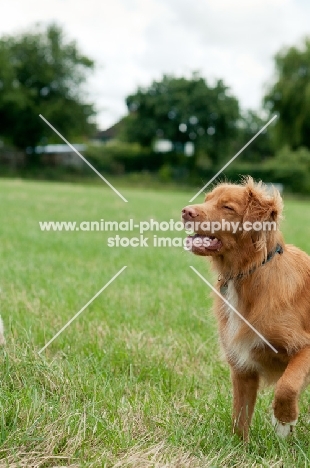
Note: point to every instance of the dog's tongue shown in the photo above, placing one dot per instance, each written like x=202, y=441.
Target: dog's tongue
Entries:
x=200, y=245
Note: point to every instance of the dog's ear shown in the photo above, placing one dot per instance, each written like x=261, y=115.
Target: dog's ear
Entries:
x=261, y=206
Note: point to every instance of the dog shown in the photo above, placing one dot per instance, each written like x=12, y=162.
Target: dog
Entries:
x=2, y=339
x=268, y=283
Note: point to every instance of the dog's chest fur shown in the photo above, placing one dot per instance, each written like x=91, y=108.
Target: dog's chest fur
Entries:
x=237, y=350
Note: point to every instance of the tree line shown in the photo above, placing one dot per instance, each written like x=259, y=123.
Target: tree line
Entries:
x=42, y=72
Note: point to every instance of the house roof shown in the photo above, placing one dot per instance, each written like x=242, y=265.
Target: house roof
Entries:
x=111, y=132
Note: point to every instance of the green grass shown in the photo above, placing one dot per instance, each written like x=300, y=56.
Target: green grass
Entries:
x=137, y=380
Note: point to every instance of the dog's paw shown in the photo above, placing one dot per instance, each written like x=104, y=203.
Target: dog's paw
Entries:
x=283, y=429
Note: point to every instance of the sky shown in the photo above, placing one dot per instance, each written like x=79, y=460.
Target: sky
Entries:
x=134, y=42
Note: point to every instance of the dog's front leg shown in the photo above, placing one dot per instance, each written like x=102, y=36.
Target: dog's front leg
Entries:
x=245, y=386
x=288, y=388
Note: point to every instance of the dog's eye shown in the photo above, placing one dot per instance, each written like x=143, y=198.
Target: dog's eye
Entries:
x=228, y=208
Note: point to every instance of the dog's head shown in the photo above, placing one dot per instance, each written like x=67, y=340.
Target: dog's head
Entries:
x=234, y=218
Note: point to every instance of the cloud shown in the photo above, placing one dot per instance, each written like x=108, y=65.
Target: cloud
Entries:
x=235, y=40
x=136, y=41
x=240, y=25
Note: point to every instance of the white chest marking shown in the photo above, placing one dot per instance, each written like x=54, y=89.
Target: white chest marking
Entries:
x=238, y=351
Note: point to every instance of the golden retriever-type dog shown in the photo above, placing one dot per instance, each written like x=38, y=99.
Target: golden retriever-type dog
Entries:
x=268, y=283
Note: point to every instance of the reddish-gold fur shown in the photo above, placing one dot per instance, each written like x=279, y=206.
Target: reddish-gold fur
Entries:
x=274, y=298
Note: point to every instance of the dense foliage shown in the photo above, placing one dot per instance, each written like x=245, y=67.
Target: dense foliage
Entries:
x=184, y=110
x=289, y=96
x=42, y=73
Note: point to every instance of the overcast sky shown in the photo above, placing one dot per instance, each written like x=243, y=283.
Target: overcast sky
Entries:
x=136, y=41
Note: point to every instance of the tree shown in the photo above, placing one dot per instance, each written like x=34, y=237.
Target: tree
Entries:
x=261, y=148
x=42, y=73
x=289, y=96
x=183, y=110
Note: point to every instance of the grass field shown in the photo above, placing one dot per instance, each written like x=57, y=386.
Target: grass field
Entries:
x=137, y=380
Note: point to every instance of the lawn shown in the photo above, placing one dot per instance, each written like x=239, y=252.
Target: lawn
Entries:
x=137, y=379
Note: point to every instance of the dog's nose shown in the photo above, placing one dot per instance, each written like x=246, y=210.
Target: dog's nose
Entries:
x=189, y=212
